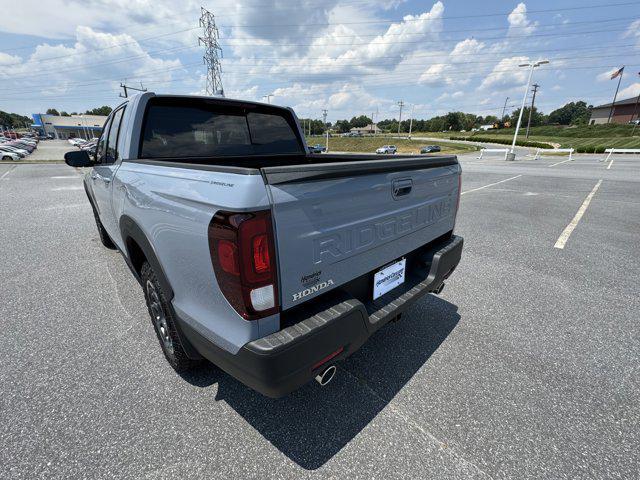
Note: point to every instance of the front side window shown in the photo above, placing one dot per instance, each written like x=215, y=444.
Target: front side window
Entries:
x=111, y=154
x=202, y=129
x=101, y=148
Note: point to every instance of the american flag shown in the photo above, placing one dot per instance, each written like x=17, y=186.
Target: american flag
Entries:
x=617, y=73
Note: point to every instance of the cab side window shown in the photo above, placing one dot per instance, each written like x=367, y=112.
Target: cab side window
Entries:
x=111, y=155
x=101, y=148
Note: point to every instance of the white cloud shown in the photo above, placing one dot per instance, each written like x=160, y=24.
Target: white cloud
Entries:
x=519, y=24
x=93, y=64
x=6, y=59
x=634, y=32
x=506, y=73
x=632, y=90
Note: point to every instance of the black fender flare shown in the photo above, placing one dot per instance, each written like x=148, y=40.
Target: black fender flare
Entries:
x=130, y=230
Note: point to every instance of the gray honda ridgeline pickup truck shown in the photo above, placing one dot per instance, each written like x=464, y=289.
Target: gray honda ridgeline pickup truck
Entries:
x=273, y=263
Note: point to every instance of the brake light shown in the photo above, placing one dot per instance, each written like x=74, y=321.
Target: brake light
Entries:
x=243, y=258
x=228, y=257
x=260, y=253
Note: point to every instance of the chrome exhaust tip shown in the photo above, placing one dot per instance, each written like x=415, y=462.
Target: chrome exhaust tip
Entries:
x=326, y=376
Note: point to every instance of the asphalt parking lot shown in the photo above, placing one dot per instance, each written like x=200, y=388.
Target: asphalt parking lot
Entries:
x=527, y=365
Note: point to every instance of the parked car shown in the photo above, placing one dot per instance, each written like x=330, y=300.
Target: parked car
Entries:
x=317, y=148
x=387, y=149
x=430, y=149
x=76, y=141
x=12, y=149
x=267, y=261
x=6, y=155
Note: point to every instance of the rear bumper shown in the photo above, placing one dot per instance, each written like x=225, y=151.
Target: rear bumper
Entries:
x=279, y=363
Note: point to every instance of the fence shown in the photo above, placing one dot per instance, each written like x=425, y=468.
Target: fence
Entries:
x=541, y=151
x=493, y=150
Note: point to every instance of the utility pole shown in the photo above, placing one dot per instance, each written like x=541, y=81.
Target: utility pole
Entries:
x=212, y=53
x=511, y=155
x=126, y=89
x=504, y=108
x=400, y=104
x=324, y=122
x=268, y=97
x=533, y=102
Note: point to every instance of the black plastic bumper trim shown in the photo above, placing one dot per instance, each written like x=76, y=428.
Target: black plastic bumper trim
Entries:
x=281, y=362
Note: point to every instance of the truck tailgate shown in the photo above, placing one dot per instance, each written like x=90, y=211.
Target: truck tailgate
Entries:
x=337, y=221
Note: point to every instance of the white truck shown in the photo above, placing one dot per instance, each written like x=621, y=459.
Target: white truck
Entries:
x=270, y=262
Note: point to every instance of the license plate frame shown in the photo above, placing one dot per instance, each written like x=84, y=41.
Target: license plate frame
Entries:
x=389, y=277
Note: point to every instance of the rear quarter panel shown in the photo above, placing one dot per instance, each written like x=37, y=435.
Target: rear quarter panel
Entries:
x=173, y=206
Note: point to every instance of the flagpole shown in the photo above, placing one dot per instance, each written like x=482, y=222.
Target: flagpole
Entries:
x=635, y=109
x=613, y=105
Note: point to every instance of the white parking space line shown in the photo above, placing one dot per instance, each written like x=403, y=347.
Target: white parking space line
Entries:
x=65, y=176
x=7, y=172
x=564, y=237
x=610, y=163
x=490, y=185
x=67, y=188
x=564, y=161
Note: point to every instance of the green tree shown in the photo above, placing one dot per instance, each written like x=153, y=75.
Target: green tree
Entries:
x=52, y=111
x=343, y=126
x=573, y=113
x=537, y=118
x=104, y=110
x=361, y=121
x=64, y=114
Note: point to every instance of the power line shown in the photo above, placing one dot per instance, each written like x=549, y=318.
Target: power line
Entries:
x=444, y=17
x=212, y=53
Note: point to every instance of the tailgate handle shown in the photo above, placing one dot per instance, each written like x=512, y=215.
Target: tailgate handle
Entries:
x=402, y=187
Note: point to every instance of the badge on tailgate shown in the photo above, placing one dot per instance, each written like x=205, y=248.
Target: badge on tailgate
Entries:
x=388, y=278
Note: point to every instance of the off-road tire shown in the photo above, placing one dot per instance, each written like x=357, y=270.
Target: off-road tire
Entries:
x=163, y=321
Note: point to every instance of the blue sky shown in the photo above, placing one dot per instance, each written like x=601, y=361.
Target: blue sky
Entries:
x=351, y=57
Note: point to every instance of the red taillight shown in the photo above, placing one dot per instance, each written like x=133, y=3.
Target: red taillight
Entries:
x=228, y=257
x=243, y=257
x=260, y=253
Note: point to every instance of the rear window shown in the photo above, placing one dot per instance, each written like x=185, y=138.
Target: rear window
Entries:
x=177, y=128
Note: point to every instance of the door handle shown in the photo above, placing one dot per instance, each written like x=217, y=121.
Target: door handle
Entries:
x=402, y=187
x=106, y=180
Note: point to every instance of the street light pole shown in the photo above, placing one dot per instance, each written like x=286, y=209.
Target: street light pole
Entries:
x=531, y=66
x=324, y=121
x=411, y=120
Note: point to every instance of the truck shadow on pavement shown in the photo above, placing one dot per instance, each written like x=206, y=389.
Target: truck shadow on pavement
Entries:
x=313, y=424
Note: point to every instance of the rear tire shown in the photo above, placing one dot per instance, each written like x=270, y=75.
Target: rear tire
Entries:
x=164, y=323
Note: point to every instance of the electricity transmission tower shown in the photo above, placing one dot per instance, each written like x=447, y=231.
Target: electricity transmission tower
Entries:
x=212, y=53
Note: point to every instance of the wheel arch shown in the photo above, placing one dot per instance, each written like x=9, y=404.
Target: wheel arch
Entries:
x=139, y=249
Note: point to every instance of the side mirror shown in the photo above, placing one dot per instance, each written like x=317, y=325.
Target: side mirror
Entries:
x=78, y=158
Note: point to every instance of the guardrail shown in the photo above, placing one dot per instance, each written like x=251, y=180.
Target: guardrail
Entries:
x=493, y=150
x=540, y=151
x=611, y=151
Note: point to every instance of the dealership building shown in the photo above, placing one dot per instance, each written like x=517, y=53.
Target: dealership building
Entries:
x=624, y=111
x=75, y=126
